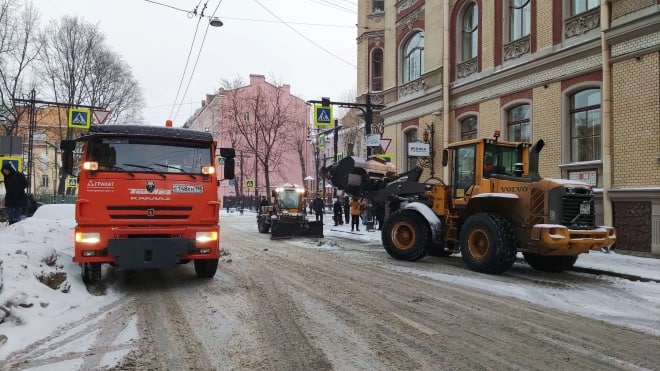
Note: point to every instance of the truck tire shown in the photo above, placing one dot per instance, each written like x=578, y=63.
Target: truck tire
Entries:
x=262, y=226
x=487, y=243
x=206, y=268
x=553, y=264
x=405, y=234
x=91, y=273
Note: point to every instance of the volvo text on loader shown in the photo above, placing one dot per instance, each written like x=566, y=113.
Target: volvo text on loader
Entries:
x=494, y=205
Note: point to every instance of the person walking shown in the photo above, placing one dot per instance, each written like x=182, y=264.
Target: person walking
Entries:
x=355, y=214
x=318, y=205
x=337, y=212
x=15, y=184
x=347, y=209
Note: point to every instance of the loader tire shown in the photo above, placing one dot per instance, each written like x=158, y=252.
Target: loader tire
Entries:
x=405, y=234
x=553, y=264
x=263, y=226
x=487, y=243
x=206, y=268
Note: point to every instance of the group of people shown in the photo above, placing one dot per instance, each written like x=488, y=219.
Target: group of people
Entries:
x=15, y=197
x=347, y=210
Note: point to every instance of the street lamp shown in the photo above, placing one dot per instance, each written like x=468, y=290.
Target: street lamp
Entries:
x=215, y=22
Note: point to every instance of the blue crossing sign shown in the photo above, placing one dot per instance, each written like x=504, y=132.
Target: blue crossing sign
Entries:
x=80, y=118
x=322, y=115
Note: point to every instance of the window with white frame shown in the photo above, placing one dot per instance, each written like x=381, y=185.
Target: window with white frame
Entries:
x=585, y=125
x=410, y=137
x=469, y=127
x=378, y=6
x=469, y=32
x=413, y=58
x=520, y=19
x=518, y=125
x=377, y=69
x=581, y=6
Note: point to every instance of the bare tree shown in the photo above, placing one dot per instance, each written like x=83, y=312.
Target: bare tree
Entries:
x=264, y=121
x=81, y=70
x=18, y=50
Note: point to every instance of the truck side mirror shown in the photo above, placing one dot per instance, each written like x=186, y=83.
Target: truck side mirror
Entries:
x=229, y=168
x=445, y=157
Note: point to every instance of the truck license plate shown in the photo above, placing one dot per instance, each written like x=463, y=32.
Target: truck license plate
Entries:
x=585, y=208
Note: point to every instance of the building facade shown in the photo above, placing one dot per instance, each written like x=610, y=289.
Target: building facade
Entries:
x=259, y=121
x=581, y=75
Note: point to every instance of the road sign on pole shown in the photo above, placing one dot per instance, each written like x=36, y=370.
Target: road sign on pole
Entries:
x=100, y=116
x=80, y=118
x=322, y=115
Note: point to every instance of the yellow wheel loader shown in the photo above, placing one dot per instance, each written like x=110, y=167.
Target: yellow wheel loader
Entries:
x=286, y=217
x=493, y=205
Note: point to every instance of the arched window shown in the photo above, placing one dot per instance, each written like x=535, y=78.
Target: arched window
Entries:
x=519, y=128
x=581, y=6
x=520, y=19
x=469, y=128
x=585, y=121
x=411, y=137
x=377, y=69
x=469, y=34
x=413, y=58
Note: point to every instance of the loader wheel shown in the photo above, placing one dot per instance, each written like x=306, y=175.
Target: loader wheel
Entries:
x=206, y=268
x=487, y=243
x=553, y=264
x=405, y=234
x=91, y=273
x=263, y=226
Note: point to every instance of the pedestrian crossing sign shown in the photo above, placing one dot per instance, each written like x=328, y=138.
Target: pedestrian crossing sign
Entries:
x=322, y=115
x=71, y=182
x=80, y=118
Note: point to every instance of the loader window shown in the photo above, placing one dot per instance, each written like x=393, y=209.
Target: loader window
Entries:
x=500, y=159
x=288, y=199
x=464, y=170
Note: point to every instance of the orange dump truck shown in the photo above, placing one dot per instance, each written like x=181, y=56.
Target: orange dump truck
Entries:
x=147, y=198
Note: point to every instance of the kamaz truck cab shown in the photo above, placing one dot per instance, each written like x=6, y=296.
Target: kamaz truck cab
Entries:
x=147, y=198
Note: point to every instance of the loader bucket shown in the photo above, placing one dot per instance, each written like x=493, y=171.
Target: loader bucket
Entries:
x=283, y=230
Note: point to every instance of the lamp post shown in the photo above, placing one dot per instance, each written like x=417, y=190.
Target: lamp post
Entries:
x=428, y=137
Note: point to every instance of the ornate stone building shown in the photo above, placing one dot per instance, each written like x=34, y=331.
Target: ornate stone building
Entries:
x=580, y=75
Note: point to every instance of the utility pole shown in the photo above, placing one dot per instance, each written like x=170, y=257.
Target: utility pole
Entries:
x=366, y=108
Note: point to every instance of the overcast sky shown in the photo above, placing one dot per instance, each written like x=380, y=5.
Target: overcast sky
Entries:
x=155, y=40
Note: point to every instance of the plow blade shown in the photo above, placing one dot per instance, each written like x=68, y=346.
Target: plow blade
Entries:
x=282, y=230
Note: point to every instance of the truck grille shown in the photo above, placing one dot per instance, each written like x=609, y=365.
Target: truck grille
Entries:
x=571, y=216
x=149, y=212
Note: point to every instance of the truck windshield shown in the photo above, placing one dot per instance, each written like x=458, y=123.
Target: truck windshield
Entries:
x=149, y=155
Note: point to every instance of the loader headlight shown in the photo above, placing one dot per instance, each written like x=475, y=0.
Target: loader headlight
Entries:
x=88, y=237
x=206, y=236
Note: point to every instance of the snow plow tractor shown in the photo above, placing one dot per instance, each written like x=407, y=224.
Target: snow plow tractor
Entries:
x=286, y=218
x=494, y=205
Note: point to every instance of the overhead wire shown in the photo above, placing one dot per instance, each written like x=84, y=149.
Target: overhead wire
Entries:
x=305, y=37
x=185, y=68
x=334, y=5
x=201, y=47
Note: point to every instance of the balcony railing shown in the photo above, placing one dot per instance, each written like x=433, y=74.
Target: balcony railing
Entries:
x=582, y=23
x=517, y=48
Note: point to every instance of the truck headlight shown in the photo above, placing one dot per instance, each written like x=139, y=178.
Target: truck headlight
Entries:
x=91, y=165
x=88, y=237
x=206, y=236
x=208, y=170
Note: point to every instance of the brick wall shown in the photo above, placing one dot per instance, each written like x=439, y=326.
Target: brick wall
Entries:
x=546, y=125
x=624, y=7
x=488, y=34
x=544, y=18
x=489, y=117
x=636, y=114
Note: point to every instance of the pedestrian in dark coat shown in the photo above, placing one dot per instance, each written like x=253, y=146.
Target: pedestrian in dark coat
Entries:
x=15, y=184
x=338, y=212
x=347, y=209
x=318, y=205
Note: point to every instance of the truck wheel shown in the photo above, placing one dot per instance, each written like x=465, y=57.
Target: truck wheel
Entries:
x=487, y=243
x=405, y=234
x=263, y=227
x=554, y=264
x=206, y=268
x=91, y=272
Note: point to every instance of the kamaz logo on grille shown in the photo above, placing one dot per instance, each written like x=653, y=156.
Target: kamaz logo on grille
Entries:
x=151, y=186
x=150, y=212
